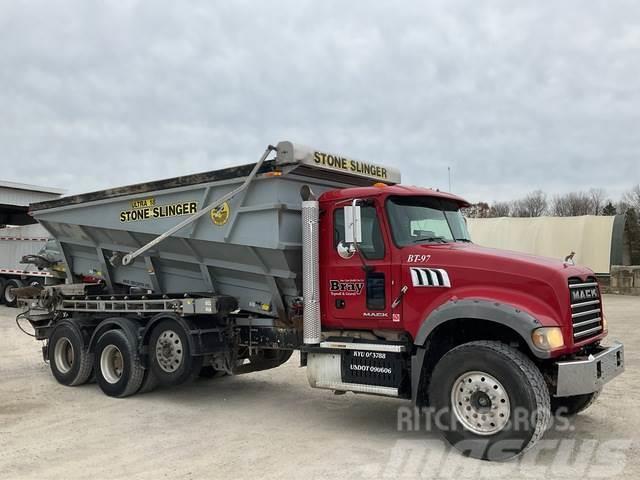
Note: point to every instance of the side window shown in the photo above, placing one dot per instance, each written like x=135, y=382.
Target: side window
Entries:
x=375, y=291
x=372, y=246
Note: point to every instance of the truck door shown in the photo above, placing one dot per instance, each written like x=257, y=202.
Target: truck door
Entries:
x=359, y=288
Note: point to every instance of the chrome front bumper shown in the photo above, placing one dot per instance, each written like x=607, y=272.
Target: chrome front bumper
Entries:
x=578, y=377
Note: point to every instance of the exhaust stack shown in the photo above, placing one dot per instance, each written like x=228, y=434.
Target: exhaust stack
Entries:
x=310, y=272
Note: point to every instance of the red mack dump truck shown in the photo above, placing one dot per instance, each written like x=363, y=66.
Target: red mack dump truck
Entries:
x=377, y=284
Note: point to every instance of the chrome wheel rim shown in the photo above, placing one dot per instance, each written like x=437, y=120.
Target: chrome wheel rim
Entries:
x=169, y=351
x=111, y=363
x=63, y=355
x=480, y=403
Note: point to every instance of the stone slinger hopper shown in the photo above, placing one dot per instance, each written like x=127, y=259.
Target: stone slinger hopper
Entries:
x=376, y=284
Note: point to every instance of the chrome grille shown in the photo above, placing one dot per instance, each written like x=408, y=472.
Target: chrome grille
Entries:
x=586, y=310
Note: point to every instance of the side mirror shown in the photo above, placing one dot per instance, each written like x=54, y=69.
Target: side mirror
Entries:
x=352, y=231
x=345, y=251
x=352, y=224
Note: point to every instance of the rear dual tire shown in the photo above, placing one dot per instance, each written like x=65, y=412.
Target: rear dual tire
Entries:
x=170, y=358
x=118, y=368
x=70, y=361
x=119, y=371
x=149, y=383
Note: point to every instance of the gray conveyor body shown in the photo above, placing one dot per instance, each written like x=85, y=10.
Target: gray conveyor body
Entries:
x=248, y=248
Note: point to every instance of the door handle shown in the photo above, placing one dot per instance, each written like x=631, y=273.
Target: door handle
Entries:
x=397, y=301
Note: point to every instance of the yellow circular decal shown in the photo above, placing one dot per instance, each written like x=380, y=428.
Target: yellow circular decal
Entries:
x=220, y=214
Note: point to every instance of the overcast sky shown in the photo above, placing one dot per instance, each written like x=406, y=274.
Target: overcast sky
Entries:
x=513, y=96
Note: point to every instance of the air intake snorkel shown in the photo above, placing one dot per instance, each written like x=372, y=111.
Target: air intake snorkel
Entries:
x=310, y=267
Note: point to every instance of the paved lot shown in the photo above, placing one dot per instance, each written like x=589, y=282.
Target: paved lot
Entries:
x=272, y=425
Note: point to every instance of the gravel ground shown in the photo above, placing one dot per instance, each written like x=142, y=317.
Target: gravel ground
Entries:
x=272, y=425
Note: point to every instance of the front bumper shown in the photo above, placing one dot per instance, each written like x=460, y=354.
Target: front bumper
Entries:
x=579, y=377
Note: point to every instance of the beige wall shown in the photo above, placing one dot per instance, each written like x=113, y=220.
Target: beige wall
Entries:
x=589, y=236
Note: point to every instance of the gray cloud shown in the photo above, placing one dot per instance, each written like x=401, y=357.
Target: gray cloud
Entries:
x=512, y=96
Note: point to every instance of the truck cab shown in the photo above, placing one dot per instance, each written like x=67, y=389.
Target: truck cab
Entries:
x=415, y=257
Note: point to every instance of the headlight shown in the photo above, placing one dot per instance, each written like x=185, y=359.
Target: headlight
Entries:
x=548, y=338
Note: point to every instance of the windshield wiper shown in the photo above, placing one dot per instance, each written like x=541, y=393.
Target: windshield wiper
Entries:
x=466, y=240
x=430, y=239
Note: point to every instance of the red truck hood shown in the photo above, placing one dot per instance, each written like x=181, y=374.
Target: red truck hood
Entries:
x=474, y=256
x=537, y=285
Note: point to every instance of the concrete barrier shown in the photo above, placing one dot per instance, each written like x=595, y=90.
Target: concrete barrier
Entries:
x=625, y=280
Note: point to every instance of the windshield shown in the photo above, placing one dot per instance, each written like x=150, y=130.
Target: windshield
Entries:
x=425, y=219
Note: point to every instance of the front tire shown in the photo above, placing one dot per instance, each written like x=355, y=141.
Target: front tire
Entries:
x=119, y=372
x=571, y=406
x=491, y=400
x=69, y=358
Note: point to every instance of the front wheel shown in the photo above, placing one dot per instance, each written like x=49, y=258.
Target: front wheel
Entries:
x=491, y=401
